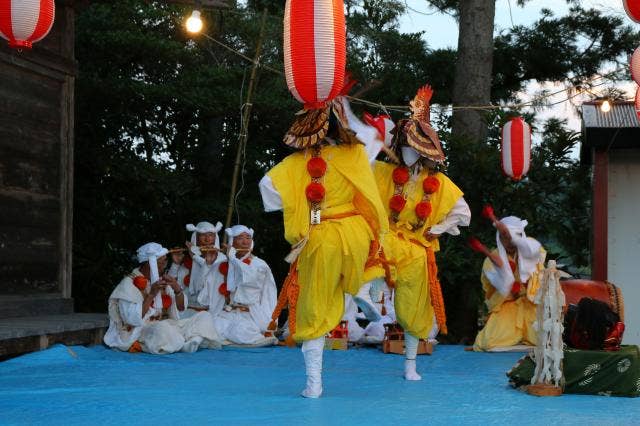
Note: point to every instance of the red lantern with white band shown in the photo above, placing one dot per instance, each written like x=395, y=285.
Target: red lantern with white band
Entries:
x=314, y=50
x=633, y=9
x=635, y=65
x=516, y=148
x=24, y=22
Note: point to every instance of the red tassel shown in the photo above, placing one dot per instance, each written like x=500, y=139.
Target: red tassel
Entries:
x=488, y=213
x=476, y=245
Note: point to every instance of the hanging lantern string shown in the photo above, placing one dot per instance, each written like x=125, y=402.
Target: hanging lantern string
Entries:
x=405, y=108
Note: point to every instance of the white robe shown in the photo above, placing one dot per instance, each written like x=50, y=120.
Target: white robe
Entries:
x=126, y=323
x=252, y=286
x=212, y=279
x=530, y=254
x=180, y=272
x=201, y=275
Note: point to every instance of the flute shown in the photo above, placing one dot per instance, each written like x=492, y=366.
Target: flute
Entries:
x=205, y=249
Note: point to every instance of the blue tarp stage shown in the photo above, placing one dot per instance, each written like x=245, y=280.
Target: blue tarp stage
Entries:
x=96, y=385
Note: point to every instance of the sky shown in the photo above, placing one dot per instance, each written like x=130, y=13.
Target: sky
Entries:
x=441, y=31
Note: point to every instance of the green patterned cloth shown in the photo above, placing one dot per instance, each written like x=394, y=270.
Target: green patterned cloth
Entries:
x=590, y=372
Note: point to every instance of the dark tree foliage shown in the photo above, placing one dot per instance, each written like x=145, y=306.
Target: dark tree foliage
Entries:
x=571, y=48
x=158, y=116
x=157, y=123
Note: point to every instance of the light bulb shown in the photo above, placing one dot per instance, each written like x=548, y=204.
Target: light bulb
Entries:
x=605, y=106
x=194, y=23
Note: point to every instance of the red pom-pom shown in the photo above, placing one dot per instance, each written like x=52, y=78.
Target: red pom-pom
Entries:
x=315, y=192
x=247, y=261
x=487, y=212
x=515, y=288
x=140, y=282
x=430, y=185
x=316, y=167
x=423, y=209
x=400, y=175
x=187, y=262
x=186, y=280
x=396, y=203
x=223, y=289
x=476, y=245
x=166, y=301
x=224, y=268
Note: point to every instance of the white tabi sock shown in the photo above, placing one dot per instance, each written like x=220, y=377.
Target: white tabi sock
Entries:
x=312, y=351
x=411, y=350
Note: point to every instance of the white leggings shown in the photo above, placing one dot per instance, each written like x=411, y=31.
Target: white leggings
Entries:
x=411, y=346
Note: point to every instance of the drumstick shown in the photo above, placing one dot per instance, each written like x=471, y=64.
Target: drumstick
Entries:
x=476, y=245
x=488, y=213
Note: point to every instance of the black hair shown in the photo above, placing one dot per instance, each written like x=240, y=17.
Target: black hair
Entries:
x=592, y=319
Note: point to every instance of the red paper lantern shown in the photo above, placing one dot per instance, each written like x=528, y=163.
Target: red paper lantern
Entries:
x=633, y=9
x=635, y=65
x=314, y=50
x=23, y=22
x=516, y=148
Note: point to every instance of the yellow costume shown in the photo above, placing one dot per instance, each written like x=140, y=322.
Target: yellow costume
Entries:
x=411, y=252
x=333, y=260
x=511, y=317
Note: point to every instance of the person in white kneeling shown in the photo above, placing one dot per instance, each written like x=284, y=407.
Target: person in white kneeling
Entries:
x=252, y=293
x=146, y=318
x=203, y=250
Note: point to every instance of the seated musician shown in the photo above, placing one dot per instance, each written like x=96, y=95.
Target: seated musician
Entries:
x=510, y=280
x=145, y=309
x=206, y=289
x=252, y=293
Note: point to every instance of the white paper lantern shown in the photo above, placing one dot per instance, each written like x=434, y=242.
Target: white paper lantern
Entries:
x=24, y=22
x=516, y=148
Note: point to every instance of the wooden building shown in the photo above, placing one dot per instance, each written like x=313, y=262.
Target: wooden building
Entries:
x=36, y=187
x=611, y=144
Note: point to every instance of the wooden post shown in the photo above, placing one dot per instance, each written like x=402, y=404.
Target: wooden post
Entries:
x=244, y=131
x=600, y=197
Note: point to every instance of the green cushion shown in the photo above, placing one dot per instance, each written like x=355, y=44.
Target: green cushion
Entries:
x=590, y=372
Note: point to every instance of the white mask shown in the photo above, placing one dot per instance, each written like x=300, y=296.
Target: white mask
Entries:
x=409, y=155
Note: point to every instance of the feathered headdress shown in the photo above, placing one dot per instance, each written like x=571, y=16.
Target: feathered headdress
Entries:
x=311, y=126
x=420, y=109
x=417, y=131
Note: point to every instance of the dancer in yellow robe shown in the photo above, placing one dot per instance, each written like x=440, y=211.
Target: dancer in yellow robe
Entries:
x=422, y=204
x=332, y=215
x=510, y=280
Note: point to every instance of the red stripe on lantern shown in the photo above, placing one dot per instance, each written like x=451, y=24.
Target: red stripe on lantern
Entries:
x=340, y=48
x=634, y=64
x=45, y=21
x=23, y=22
x=633, y=9
x=515, y=148
x=303, y=58
x=6, y=30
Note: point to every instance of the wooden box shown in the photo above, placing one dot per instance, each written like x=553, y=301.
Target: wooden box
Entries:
x=397, y=347
x=338, y=338
x=394, y=341
x=336, y=343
